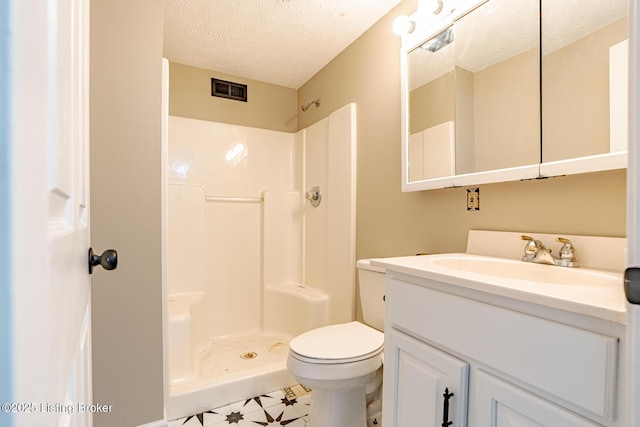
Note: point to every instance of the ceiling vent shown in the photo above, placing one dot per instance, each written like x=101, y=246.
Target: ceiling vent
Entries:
x=230, y=90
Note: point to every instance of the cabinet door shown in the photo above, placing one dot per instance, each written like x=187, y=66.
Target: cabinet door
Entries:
x=417, y=377
x=500, y=404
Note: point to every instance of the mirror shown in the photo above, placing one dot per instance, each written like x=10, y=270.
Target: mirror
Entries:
x=492, y=92
x=473, y=93
x=584, y=78
x=497, y=86
x=431, y=108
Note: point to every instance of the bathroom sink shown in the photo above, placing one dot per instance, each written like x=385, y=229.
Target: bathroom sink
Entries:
x=524, y=271
x=499, y=276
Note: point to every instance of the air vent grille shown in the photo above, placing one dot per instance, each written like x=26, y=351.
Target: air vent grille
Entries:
x=230, y=90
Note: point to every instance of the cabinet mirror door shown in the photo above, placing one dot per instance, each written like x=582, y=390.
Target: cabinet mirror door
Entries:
x=584, y=79
x=497, y=74
x=431, y=108
x=471, y=95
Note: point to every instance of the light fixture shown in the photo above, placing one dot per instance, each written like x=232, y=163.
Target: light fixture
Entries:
x=403, y=25
x=430, y=5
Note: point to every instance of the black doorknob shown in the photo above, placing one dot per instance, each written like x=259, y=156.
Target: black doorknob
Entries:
x=108, y=260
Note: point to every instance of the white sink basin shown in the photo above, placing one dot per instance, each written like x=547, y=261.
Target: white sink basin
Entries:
x=529, y=272
x=500, y=273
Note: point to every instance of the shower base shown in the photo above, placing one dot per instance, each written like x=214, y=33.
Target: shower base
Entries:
x=231, y=369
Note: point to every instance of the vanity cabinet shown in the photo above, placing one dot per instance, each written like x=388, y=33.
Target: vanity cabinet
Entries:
x=431, y=386
x=522, y=369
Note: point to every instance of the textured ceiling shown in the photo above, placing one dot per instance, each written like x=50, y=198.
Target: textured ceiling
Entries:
x=283, y=42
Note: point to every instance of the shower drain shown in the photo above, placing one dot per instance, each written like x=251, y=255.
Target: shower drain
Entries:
x=249, y=355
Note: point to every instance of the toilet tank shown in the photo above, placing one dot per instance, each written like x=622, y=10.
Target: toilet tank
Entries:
x=372, y=283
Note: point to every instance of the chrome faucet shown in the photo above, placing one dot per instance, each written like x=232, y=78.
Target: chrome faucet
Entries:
x=535, y=251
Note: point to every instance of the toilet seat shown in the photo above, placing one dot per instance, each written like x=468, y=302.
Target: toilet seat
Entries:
x=343, y=343
x=334, y=361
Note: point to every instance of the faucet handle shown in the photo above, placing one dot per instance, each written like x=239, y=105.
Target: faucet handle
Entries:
x=567, y=250
x=531, y=248
x=532, y=244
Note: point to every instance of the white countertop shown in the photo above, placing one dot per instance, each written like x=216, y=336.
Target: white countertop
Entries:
x=602, y=297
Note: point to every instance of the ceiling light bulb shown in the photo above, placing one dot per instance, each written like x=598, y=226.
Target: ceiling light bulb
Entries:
x=430, y=6
x=403, y=25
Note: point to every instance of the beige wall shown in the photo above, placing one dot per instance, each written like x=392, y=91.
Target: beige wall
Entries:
x=393, y=223
x=268, y=106
x=126, y=53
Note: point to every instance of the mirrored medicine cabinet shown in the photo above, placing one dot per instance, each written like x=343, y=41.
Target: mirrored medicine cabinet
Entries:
x=504, y=90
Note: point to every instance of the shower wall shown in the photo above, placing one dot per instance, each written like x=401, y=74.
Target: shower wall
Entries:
x=246, y=187
x=330, y=162
x=233, y=165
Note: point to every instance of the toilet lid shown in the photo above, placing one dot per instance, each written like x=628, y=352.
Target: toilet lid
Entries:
x=338, y=342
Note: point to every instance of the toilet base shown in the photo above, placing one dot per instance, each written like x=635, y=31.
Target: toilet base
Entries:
x=338, y=408
x=340, y=403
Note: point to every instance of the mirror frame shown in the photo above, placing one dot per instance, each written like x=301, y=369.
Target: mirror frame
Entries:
x=429, y=26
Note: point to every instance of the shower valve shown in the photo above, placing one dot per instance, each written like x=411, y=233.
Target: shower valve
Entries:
x=313, y=196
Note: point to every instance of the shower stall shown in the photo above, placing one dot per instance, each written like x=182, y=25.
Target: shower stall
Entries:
x=250, y=262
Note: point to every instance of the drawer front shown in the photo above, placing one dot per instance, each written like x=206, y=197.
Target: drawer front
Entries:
x=577, y=367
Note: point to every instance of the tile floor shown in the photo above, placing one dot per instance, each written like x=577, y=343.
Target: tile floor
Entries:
x=287, y=407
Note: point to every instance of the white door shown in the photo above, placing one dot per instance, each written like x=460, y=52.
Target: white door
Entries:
x=50, y=345
x=633, y=216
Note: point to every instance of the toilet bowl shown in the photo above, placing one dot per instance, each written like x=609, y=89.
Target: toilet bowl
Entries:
x=342, y=363
x=337, y=362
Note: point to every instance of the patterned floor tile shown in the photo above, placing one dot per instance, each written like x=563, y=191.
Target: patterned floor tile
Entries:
x=302, y=404
x=288, y=407
x=296, y=391
x=279, y=415
x=204, y=419
x=258, y=402
x=277, y=398
x=236, y=417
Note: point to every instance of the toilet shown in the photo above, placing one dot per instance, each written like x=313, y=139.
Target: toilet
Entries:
x=342, y=363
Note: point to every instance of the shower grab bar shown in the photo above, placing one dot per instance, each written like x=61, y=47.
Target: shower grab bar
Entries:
x=234, y=199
